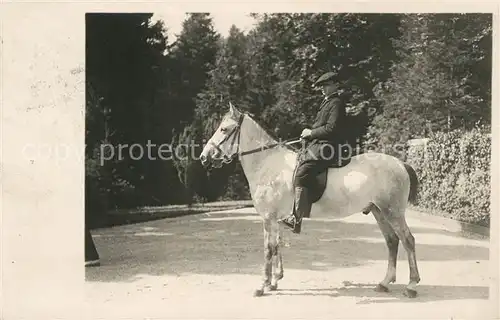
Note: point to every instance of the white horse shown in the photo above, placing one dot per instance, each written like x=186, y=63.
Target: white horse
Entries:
x=372, y=182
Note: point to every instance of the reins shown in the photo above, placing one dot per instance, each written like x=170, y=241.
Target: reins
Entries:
x=270, y=146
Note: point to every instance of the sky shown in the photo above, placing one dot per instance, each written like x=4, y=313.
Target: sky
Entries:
x=222, y=21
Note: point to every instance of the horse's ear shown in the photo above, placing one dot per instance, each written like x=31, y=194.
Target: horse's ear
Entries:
x=233, y=111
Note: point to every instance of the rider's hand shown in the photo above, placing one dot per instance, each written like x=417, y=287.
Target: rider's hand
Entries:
x=306, y=133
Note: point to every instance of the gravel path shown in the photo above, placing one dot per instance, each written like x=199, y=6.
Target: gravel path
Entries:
x=208, y=265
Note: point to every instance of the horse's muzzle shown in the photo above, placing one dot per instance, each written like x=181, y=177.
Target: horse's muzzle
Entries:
x=204, y=160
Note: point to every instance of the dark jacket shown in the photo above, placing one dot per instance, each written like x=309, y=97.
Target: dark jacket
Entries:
x=328, y=124
x=327, y=131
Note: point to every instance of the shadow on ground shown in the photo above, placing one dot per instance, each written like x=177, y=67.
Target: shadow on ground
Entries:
x=426, y=293
x=234, y=245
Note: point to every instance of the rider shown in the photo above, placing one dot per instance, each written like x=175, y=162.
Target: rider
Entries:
x=323, y=141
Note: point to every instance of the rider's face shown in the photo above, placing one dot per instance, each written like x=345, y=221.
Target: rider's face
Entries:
x=328, y=88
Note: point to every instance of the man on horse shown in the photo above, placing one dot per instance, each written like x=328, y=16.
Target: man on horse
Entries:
x=322, y=148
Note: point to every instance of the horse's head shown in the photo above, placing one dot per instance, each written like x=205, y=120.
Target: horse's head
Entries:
x=223, y=145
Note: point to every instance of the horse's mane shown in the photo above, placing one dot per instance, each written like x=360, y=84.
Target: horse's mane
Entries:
x=289, y=147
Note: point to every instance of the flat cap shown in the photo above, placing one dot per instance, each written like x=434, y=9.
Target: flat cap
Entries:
x=329, y=76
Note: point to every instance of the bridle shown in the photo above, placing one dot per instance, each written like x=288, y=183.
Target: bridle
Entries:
x=236, y=133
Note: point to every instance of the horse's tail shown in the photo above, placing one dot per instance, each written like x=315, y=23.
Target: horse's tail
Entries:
x=412, y=197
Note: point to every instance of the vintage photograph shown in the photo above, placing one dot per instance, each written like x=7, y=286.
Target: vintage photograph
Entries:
x=288, y=165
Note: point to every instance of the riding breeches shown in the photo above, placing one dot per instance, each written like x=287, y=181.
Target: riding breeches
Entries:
x=306, y=172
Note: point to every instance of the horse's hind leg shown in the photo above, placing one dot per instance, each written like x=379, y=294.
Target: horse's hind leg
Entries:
x=398, y=222
x=392, y=242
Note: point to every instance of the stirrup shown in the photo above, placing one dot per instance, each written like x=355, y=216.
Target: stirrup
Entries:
x=289, y=221
x=292, y=223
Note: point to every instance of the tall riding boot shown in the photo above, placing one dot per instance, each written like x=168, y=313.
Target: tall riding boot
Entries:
x=302, y=207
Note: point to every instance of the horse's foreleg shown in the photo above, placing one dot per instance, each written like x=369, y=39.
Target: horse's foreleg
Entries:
x=398, y=223
x=392, y=242
x=277, y=260
x=268, y=258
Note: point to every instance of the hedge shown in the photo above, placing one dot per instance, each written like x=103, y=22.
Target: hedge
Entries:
x=454, y=173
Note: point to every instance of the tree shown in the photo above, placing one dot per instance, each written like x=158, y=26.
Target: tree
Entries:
x=433, y=85
x=226, y=83
x=192, y=57
x=123, y=55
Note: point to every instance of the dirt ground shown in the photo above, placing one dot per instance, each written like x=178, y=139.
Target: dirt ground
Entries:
x=207, y=266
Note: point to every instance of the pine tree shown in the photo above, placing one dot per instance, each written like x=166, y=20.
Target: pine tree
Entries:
x=122, y=55
x=193, y=56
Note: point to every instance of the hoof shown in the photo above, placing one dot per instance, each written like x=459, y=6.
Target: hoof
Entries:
x=273, y=287
x=410, y=293
x=381, y=288
x=258, y=293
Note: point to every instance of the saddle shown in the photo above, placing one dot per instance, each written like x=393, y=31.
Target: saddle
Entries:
x=318, y=185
